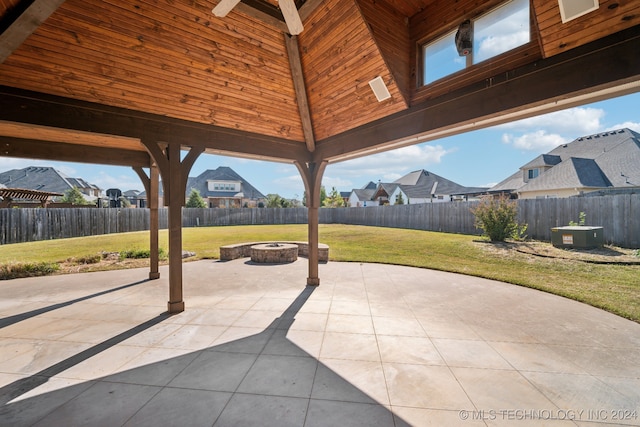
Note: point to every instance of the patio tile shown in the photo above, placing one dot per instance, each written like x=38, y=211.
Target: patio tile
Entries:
x=294, y=343
x=350, y=307
x=280, y=376
x=242, y=340
x=470, y=354
x=191, y=337
x=350, y=381
x=216, y=371
x=265, y=411
x=408, y=327
x=413, y=350
x=581, y=392
x=535, y=357
x=422, y=386
x=310, y=322
x=350, y=346
x=216, y=317
x=35, y=405
x=419, y=417
x=197, y=408
x=103, y=404
x=496, y=390
x=324, y=413
x=349, y=324
x=155, y=366
x=103, y=363
x=42, y=356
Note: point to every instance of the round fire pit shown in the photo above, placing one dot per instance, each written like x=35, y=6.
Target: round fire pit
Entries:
x=273, y=253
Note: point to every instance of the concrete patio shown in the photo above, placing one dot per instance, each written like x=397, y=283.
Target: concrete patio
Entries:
x=373, y=345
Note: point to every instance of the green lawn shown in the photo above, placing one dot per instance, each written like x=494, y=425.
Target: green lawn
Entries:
x=615, y=288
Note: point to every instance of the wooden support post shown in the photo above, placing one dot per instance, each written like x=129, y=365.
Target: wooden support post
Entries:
x=312, y=178
x=152, y=201
x=151, y=188
x=175, y=202
x=174, y=174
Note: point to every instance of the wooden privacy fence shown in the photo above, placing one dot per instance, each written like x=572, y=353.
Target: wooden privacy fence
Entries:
x=619, y=215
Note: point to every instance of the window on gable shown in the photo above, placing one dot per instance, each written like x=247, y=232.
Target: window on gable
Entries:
x=533, y=173
x=498, y=31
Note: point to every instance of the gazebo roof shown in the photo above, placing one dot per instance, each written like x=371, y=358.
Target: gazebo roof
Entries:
x=107, y=74
x=21, y=193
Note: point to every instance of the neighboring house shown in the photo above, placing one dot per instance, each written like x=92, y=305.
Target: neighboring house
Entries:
x=224, y=188
x=606, y=162
x=48, y=179
x=419, y=186
x=137, y=199
x=362, y=197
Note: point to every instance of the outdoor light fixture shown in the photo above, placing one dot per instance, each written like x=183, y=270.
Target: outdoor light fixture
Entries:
x=463, y=39
x=379, y=89
x=572, y=9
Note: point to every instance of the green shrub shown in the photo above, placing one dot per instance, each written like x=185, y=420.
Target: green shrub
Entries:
x=582, y=219
x=141, y=253
x=18, y=270
x=498, y=219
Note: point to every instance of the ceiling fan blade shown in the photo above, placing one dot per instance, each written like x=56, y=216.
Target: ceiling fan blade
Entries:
x=224, y=7
x=291, y=16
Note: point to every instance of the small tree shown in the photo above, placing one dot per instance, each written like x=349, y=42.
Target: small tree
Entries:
x=399, y=199
x=323, y=197
x=498, y=219
x=277, y=201
x=195, y=200
x=334, y=199
x=75, y=197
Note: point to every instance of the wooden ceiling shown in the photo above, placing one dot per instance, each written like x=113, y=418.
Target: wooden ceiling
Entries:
x=240, y=85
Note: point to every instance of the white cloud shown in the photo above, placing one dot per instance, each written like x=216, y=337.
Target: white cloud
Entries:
x=337, y=182
x=573, y=122
x=122, y=181
x=289, y=186
x=631, y=125
x=394, y=163
x=539, y=141
x=495, y=45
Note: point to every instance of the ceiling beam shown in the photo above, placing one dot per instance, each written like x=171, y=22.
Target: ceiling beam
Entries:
x=40, y=109
x=22, y=22
x=266, y=13
x=34, y=149
x=300, y=87
x=308, y=8
x=600, y=70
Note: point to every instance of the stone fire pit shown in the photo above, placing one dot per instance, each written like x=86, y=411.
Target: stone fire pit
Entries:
x=274, y=253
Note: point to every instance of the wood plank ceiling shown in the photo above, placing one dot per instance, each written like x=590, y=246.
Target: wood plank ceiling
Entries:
x=174, y=59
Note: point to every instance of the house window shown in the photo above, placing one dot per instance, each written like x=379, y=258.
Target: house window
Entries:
x=441, y=58
x=533, y=173
x=498, y=31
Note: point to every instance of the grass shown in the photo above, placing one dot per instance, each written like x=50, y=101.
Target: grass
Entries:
x=615, y=288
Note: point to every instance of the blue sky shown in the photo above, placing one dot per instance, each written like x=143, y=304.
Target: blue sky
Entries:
x=475, y=159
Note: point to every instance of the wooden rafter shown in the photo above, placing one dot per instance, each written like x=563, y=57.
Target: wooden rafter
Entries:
x=24, y=24
x=57, y=112
x=29, y=148
x=301, y=90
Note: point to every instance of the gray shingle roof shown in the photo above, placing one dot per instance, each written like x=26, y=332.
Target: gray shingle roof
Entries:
x=222, y=173
x=42, y=178
x=419, y=184
x=604, y=160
